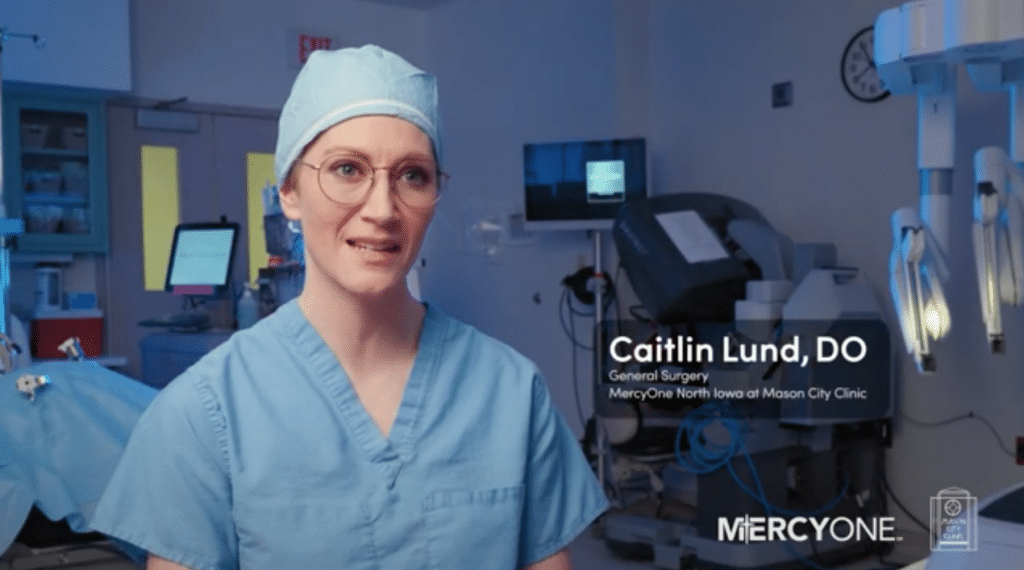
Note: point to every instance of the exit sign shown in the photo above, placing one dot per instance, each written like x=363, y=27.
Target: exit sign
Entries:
x=306, y=43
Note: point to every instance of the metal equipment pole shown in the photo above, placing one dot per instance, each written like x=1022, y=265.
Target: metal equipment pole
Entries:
x=598, y=354
x=9, y=227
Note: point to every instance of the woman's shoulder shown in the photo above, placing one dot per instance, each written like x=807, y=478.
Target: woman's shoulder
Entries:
x=460, y=339
x=269, y=344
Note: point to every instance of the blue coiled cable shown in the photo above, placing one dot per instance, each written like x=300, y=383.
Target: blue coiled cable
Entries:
x=707, y=457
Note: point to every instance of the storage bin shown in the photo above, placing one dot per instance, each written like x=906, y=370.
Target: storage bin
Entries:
x=42, y=219
x=75, y=221
x=43, y=181
x=74, y=138
x=35, y=219
x=49, y=330
x=76, y=178
x=33, y=135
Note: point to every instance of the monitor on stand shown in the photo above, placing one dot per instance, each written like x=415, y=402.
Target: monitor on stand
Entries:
x=199, y=270
x=582, y=185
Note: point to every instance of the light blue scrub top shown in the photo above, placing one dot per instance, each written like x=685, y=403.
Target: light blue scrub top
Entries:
x=261, y=456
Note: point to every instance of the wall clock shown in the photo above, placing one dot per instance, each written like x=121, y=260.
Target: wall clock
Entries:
x=860, y=78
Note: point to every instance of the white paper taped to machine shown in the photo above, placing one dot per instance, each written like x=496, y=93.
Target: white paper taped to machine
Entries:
x=692, y=236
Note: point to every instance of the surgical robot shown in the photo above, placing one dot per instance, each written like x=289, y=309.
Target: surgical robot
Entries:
x=918, y=46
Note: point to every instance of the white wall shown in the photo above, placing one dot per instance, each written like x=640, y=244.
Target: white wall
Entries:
x=237, y=52
x=84, y=44
x=513, y=72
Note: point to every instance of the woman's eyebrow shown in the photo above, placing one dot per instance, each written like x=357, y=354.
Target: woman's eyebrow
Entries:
x=350, y=150
x=342, y=149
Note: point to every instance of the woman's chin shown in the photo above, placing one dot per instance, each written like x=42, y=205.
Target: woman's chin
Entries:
x=358, y=284
x=377, y=291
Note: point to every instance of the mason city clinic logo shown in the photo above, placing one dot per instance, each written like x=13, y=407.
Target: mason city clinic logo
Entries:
x=954, y=521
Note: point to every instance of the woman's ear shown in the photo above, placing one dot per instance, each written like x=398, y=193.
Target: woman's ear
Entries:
x=289, y=197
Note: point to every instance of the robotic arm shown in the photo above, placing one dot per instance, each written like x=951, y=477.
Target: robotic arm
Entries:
x=916, y=272
x=998, y=237
x=993, y=46
x=917, y=48
x=909, y=55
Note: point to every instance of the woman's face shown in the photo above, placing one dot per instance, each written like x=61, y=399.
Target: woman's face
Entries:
x=365, y=248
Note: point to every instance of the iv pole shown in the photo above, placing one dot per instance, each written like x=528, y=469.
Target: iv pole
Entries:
x=9, y=227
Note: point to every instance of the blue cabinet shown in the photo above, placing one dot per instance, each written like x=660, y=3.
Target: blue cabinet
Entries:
x=55, y=172
x=167, y=354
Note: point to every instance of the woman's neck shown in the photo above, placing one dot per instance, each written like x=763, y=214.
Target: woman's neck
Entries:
x=363, y=330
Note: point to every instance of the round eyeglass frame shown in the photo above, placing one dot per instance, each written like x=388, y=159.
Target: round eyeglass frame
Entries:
x=442, y=179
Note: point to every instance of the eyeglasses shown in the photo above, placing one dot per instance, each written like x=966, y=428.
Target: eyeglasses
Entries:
x=347, y=179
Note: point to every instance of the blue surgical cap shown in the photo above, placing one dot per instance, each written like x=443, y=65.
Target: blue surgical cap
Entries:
x=341, y=84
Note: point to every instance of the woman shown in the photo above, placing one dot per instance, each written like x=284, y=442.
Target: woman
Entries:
x=355, y=427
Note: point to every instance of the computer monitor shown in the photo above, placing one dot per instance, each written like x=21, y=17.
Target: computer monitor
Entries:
x=581, y=185
x=201, y=259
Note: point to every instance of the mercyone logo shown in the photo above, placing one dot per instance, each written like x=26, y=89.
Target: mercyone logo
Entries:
x=799, y=529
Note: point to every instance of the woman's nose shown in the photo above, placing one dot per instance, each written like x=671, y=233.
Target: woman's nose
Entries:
x=380, y=199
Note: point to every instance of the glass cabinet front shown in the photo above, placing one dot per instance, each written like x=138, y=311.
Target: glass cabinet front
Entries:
x=55, y=174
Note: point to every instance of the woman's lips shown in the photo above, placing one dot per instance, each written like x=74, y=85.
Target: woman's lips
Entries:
x=379, y=246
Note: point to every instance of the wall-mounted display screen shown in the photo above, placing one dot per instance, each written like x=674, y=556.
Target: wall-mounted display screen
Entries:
x=581, y=185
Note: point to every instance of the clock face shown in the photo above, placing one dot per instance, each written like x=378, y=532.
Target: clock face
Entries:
x=858, y=68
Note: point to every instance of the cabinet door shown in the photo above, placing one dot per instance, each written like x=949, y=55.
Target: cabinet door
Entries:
x=55, y=167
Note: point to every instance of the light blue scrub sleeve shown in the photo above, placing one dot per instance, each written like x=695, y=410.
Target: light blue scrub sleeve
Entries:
x=562, y=495
x=170, y=494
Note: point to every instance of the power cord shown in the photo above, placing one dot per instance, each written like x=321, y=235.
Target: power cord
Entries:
x=968, y=416
x=569, y=326
x=906, y=511
x=570, y=331
x=577, y=285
